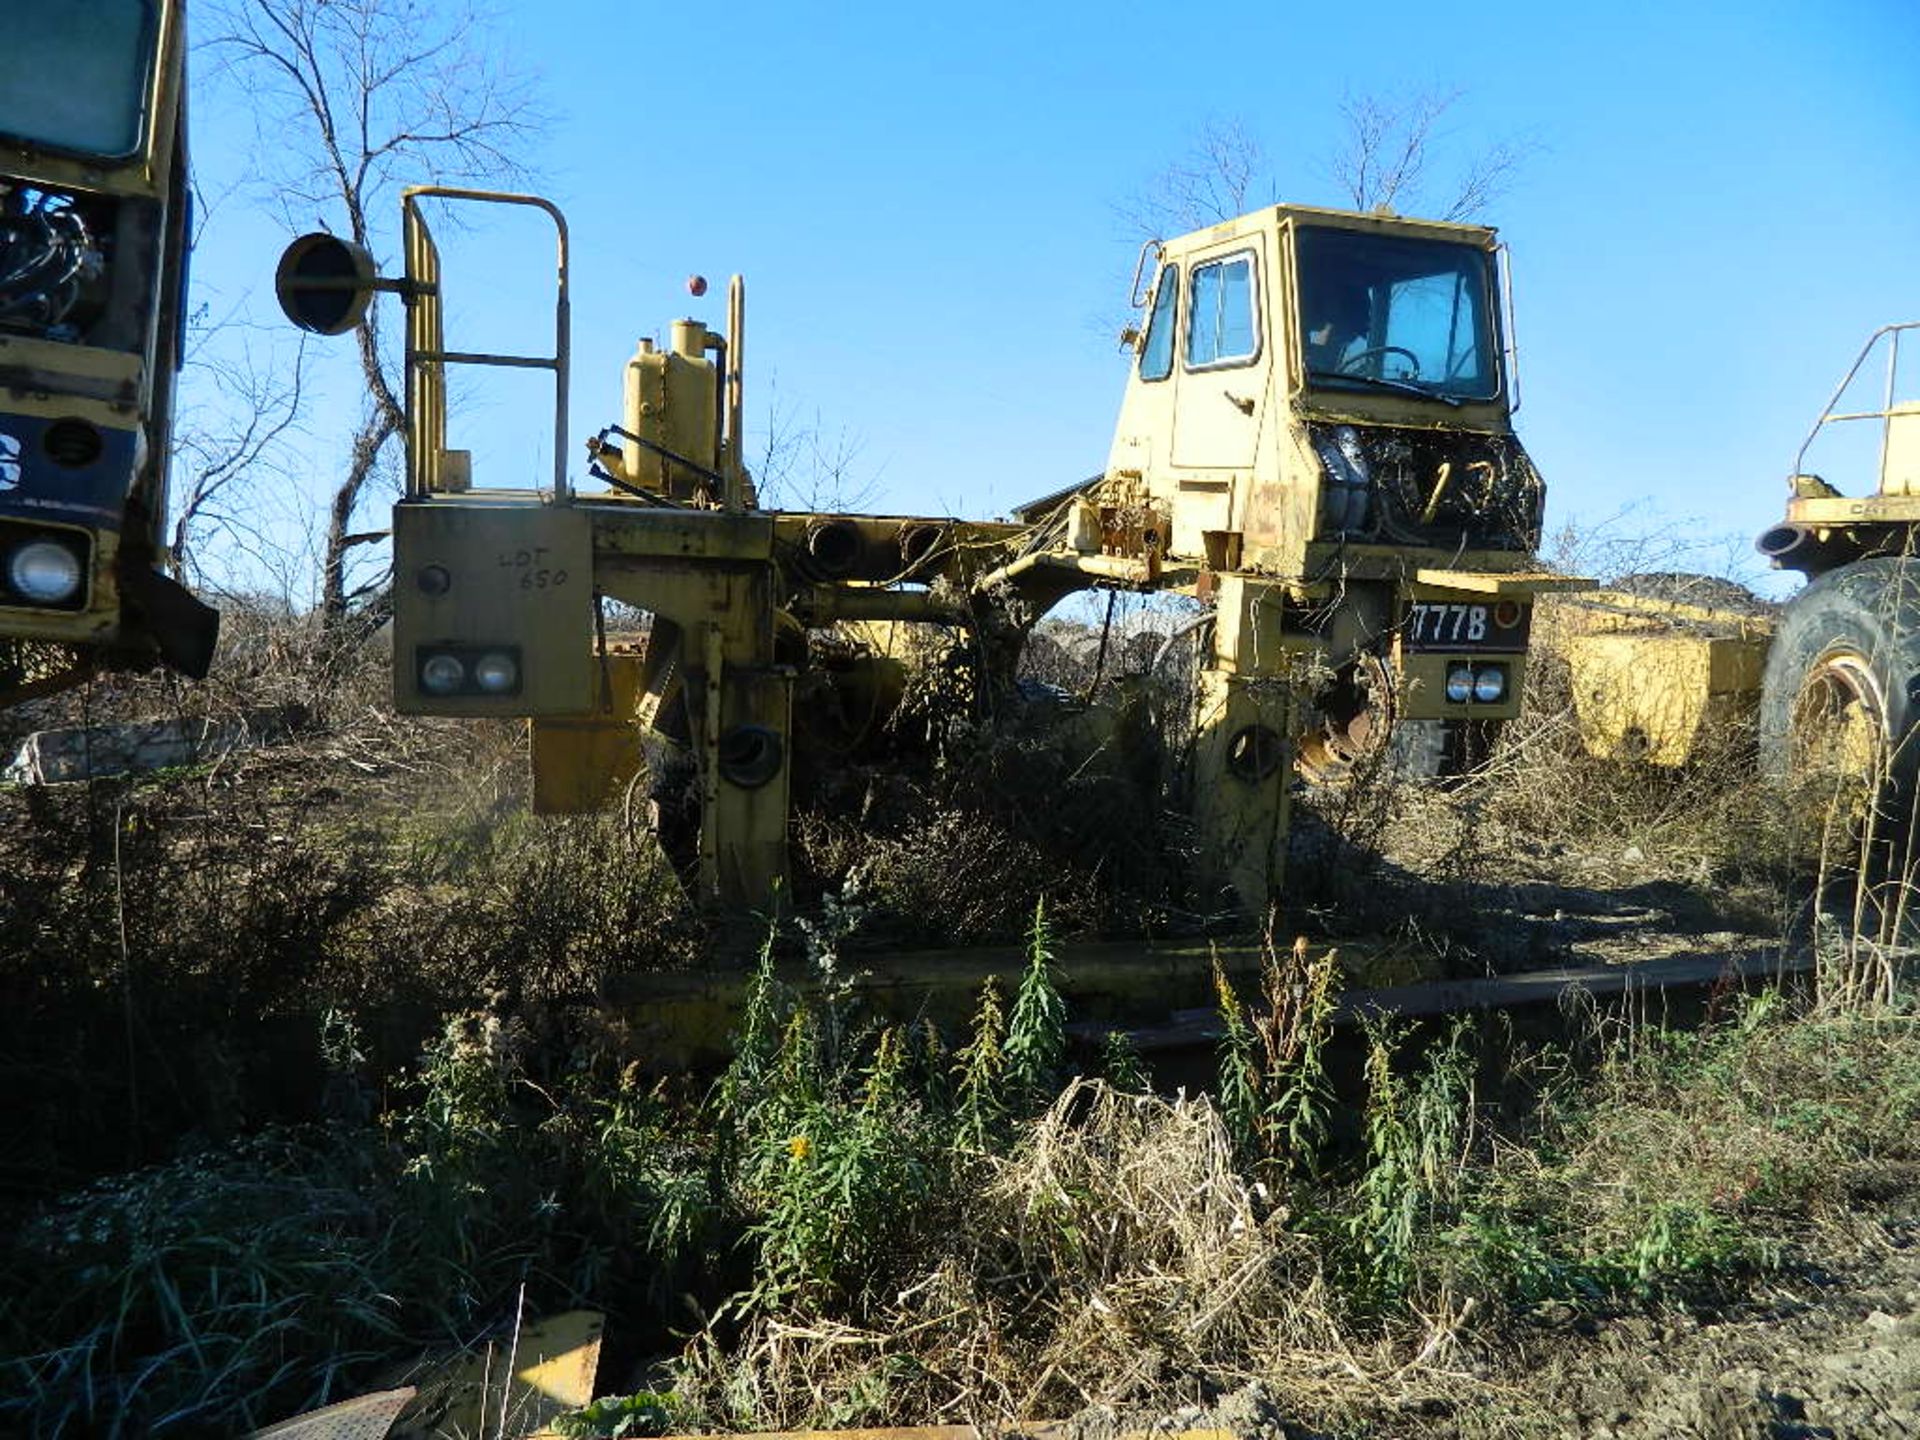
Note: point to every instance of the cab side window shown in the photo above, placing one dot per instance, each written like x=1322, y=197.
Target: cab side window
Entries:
x=1156, y=352
x=1222, y=328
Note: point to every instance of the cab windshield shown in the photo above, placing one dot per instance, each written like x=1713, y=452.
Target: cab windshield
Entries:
x=1387, y=312
x=74, y=74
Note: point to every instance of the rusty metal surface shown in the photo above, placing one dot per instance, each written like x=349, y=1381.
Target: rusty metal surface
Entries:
x=1697, y=971
x=533, y=1379
x=366, y=1417
x=1026, y=1430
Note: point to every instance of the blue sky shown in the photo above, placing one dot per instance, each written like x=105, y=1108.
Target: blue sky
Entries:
x=1715, y=213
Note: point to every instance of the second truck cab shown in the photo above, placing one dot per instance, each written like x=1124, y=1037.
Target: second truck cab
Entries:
x=1325, y=400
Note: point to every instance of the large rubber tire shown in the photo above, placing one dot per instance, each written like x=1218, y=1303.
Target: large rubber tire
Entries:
x=1841, y=694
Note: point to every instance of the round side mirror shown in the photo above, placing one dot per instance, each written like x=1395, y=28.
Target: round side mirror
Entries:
x=324, y=284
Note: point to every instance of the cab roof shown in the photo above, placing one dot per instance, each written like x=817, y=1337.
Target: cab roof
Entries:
x=1378, y=222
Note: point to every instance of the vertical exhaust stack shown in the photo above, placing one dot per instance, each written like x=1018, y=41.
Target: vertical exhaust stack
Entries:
x=735, y=468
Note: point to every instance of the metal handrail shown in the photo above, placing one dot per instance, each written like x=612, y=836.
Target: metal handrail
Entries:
x=421, y=476
x=1884, y=414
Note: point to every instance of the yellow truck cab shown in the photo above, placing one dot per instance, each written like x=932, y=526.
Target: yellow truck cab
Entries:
x=1326, y=399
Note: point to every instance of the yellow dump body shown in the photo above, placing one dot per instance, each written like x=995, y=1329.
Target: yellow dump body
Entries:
x=1653, y=677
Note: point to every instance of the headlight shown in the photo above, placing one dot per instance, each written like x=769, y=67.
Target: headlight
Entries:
x=450, y=670
x=442, y=674
x=1489, y=685
x=44, y=572
x=496, y=673
x=1460, y=686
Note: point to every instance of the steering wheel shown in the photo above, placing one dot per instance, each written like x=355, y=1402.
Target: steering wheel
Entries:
x=1351, y=365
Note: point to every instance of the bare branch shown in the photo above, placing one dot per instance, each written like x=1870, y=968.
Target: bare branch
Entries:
x=1212, y=182
x=803, y=467
x=226, y=444
x=1384, y=159
x=1489, y=178
x=354, y=95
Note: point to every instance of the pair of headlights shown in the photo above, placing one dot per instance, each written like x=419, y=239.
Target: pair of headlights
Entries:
x=1476, y=684
x=45, y=573
x=445, y=673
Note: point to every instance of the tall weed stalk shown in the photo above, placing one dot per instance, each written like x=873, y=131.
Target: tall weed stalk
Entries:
x=1036, y=1035
x=1415, y=1141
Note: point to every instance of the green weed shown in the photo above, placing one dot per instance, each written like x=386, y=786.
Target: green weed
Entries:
x=980, y=1106
x=1240, y=1079
x=1121, y=1065
x=1274, y=1091
x=266, y=1275
x=1414, y=1157
x=1036, y=1035
x=645, y=1412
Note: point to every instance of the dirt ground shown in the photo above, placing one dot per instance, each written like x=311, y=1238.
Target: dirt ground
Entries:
x=1825, y=1353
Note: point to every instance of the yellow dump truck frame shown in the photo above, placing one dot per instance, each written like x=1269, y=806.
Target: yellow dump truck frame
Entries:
x=1660, y=670
x=1363, y=533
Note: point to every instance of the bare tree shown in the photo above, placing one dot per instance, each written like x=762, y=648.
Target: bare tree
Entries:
x=1210, y=183
x=236, y=438
x=805, y=466
x=237, y=406
x=1385, y=157
x=354, y=97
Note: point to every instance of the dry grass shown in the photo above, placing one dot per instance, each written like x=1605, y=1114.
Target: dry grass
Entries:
x=1119, y=1259
x=1543, y=845
x=168, y=943
x=1114, y=1253
x=1114, y=1257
